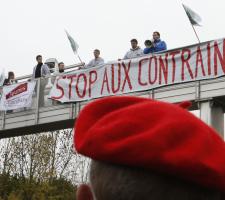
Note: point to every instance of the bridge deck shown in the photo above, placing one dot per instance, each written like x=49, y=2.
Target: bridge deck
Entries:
x=60, y=116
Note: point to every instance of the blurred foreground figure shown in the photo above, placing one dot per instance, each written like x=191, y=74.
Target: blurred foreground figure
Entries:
x=142, y=149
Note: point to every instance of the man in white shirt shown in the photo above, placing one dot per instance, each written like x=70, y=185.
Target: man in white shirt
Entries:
x=58, y=72
x=96, y=61
x=135, y=50
x=41, y=71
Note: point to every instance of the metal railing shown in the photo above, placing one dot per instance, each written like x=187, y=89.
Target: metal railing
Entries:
x=37, y=95
x=202, y=93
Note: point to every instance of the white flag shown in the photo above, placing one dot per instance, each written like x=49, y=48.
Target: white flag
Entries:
x=73, y=44
x=194, y=18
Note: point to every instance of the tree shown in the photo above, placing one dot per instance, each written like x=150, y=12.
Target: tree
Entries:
x=39, y=165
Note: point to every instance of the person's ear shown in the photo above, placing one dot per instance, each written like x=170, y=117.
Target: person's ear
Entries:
x=84, y=193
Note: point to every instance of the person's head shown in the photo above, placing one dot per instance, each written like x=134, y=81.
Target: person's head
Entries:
x=96, y=53
x=156, y=35
x=134, y=43
x=11, y=75
x=158, y=158
x=61, y=67
x=39, y=58
x=110, y=182
x=148, y=43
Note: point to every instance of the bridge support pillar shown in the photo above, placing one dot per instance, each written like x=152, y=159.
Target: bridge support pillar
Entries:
x=212, y=115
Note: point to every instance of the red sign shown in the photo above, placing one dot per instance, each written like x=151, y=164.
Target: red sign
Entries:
x=18, y=90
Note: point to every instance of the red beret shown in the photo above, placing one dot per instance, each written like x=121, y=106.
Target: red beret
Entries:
x=154, y=135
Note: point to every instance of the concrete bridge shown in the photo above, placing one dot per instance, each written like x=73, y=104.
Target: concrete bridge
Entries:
x=208, y=96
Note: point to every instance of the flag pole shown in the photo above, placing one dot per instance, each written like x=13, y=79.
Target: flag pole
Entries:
x=195, y=33
x=79, y=59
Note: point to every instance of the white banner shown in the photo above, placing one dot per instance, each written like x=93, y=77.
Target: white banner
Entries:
x=196, y=62
x=17, y=96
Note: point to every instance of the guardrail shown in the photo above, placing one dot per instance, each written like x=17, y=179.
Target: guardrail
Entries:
x=54, y=115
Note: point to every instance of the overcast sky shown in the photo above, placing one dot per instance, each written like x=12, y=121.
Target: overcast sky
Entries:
x=32, y=27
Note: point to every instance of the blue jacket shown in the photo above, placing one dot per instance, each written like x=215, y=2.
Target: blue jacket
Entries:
x=148, y=50
x=159, y=45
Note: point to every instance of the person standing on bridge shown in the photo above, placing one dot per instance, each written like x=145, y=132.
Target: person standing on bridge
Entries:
x=41, y=71
x=135, y=50
x=58, y=72
x=148, y=45
x=96, y=61
x=157, y=44
x=11, y=79
x=61, y=67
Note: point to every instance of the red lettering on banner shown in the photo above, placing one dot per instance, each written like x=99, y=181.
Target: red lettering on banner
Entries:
x=218, y=54
x=185, y=62
x=150, y=70
x=118, y=78
x=70, y=84
x=163, y=68
x=59, y=88
x=173, y=54
x=105, y=81
x=209, y=58
x=85, y=85
x=199, y=60
x=93, y=76
x=16, y=91
x=127, y=78
x=139, y=72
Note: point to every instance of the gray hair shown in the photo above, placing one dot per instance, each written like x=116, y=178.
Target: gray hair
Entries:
x=110, y=182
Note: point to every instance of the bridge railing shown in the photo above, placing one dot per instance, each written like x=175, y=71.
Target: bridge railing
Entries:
x=207, y=95
x=40, y=96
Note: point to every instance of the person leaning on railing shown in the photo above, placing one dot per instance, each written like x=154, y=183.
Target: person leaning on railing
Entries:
x=41, y=71
x=155, y=45
x=58, y=72
x=96, y=61
x=135, y=50
x=10, y=80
